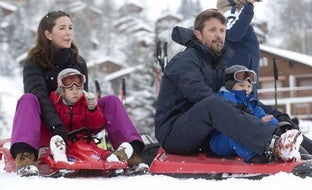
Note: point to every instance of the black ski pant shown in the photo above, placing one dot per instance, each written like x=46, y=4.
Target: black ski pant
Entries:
x=189, y=132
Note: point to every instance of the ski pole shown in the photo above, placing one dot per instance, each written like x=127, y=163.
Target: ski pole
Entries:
x=275, y=72
x=97, y=89
x=123, y=91
x=159, y=65
x=165, y=56
x=159, y=55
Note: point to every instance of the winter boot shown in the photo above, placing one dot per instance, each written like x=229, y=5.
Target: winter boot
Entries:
x=123, y=153
x=25, y=164
x=136, y=165
x=286, y=147
x=58, y=148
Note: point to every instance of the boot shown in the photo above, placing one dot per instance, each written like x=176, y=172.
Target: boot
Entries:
x=136, y=165
x=25, y=164
x=123, y=153
x=58, y=148
x=286, y=148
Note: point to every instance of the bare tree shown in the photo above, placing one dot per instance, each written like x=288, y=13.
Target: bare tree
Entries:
x=293, y=23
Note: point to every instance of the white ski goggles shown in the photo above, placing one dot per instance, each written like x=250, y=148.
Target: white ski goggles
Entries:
x=242, y=75
x=71, y=79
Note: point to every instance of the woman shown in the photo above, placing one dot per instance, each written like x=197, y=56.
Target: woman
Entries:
x=54, y=51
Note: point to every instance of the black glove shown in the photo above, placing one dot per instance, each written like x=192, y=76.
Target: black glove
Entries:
x=282, y=127
x=243, y=107
x=285, y=117
x=61, y=131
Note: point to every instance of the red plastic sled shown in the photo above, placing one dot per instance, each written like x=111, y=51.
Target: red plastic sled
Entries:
x=83, y=159
x=221, y=167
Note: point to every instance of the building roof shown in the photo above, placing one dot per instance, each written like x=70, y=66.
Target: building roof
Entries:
x=291, y=55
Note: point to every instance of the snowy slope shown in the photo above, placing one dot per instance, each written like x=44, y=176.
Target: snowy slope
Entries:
x=281, y=181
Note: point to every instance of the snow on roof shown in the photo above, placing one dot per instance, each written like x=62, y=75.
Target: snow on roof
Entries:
x=8, y=6
x=299, y=57
x=259, y=31
x=77, y=6
x=123, y=72
x=170, y=15
x=104, y=59
x=21, y=57
x=130, y=24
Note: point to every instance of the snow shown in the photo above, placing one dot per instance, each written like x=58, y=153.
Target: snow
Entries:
x=281, y=181
x=11, y=89
x=299, y=57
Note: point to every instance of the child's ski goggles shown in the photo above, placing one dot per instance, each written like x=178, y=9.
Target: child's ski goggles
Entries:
x=71, y=79
x=242, y=75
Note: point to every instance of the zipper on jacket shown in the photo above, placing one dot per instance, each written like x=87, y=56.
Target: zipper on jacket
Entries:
x=71, y=113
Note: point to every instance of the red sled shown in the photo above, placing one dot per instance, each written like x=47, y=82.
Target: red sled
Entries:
x=216, y=167
x=83, y=159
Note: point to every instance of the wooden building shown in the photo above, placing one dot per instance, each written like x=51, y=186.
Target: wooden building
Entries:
x=292, y=92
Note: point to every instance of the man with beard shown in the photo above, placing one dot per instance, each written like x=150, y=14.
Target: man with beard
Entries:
x=188, y=108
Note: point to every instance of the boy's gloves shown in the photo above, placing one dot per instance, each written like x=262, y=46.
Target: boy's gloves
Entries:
x=92, y=102
x=60, y=130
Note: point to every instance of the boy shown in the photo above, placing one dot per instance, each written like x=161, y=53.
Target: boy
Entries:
x=238, y=87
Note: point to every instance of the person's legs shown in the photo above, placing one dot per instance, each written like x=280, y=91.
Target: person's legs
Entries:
x=223, y=145
x=26, y=135
x=26, y=125
x=193, y=128
x=119, y=126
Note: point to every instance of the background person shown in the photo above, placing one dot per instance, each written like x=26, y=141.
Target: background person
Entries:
x=241, y=37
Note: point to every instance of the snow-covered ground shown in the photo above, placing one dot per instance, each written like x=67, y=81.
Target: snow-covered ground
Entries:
x=280, y=181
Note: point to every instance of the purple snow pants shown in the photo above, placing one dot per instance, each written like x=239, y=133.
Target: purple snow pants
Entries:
x=27, y=121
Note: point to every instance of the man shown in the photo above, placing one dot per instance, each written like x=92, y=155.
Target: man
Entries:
x=188, y=108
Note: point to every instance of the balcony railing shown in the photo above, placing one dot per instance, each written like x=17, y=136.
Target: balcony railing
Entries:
x=295, y=101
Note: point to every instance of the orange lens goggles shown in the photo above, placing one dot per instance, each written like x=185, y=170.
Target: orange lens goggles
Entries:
x=72, y=79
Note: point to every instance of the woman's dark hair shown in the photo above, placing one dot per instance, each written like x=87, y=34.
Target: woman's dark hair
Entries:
x=201, y=18
x=42, y=52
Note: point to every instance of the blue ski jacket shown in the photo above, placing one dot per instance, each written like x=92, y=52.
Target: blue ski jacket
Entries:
x=238, y=97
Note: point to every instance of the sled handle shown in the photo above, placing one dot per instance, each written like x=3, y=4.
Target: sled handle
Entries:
x=74, y=134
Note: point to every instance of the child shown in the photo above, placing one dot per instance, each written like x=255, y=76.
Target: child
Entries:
x=78, y=109
x=238, y=87
x=239, y=83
